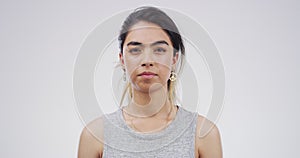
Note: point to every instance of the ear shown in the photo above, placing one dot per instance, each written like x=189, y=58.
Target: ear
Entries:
x=121, y=60
x=175, y=60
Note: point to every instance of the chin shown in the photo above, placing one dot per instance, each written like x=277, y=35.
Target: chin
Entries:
x=149, y=87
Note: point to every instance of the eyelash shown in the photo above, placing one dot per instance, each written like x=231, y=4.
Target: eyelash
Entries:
x=135, y=50
x=160, y=50
x=138, y=50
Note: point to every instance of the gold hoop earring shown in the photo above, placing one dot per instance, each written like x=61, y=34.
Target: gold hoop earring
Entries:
x=173, y=76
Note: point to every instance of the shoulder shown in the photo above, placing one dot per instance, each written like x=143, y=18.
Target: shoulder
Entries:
x=208, y=140
x=91, y=139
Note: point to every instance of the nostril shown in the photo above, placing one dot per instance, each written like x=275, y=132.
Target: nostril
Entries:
x=147, y=64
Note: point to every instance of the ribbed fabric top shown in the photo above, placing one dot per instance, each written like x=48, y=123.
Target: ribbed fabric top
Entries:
x=175, y=140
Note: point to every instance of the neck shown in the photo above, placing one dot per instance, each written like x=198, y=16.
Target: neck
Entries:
x=152, y=103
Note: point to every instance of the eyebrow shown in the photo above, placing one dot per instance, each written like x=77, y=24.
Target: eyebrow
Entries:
x=160, y=42
x=134, y=43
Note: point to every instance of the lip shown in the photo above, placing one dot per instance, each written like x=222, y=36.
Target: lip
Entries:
x=147, y=74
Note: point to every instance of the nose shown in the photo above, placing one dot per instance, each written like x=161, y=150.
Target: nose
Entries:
x=147, y=59
x=146, y=64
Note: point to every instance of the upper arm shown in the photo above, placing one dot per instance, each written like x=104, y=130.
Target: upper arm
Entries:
x=208, y=141
x=91, y=140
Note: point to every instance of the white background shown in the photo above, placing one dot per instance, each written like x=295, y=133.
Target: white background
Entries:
x=258, y=42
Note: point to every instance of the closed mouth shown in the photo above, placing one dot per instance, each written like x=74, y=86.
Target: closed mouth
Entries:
x=147, y=74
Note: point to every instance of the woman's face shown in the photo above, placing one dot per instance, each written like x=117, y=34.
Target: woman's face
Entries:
x=147, y=56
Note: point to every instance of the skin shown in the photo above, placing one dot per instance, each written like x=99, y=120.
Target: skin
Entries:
x=153, y=52
x=147, y=93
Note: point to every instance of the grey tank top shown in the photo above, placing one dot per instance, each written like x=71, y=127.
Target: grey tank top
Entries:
x=175, y=140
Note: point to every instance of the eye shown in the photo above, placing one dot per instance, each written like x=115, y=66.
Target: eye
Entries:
x=160, y=50
x=135, y=50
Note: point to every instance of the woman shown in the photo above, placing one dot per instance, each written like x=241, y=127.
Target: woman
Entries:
x=151, y=125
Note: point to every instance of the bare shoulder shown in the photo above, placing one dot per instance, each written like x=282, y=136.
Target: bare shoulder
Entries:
x=208, y=140
x=91, y=139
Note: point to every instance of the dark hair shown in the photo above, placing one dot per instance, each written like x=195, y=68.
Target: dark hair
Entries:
x=155, y=16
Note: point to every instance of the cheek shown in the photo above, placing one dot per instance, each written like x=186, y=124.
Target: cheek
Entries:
x=164, y=66
x=164, y=72
x=165, y=62
x=131, y=65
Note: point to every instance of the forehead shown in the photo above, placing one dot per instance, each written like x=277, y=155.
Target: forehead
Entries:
x=145, y=32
